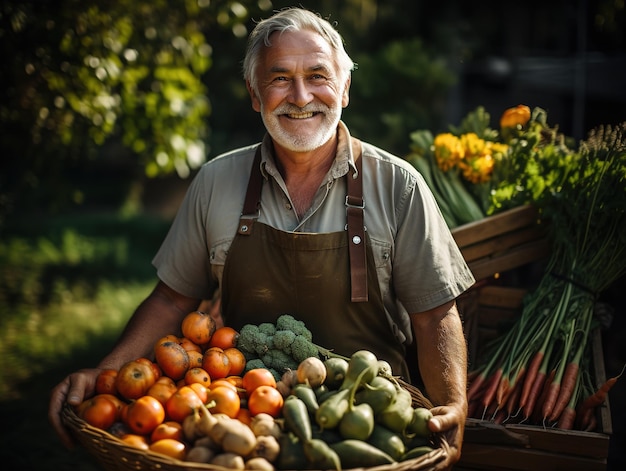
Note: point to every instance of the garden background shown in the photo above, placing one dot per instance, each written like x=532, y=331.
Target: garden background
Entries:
x=107, y=108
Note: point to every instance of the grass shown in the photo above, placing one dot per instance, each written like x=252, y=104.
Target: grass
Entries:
x=67, y=287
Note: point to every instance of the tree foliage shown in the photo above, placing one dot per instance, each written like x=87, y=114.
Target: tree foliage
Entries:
x=117, y=79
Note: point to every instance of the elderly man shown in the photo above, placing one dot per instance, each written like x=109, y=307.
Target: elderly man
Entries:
x=311, y=222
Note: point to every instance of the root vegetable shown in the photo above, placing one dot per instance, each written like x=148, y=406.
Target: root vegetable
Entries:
x=259, y=464
x=311, y=371
x=267, y=447
x=229, y=461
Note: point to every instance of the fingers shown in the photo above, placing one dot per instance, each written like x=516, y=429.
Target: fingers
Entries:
x=72, y=390
x=57, y=399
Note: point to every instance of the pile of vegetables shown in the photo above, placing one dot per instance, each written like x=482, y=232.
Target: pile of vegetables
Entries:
x=538, y=372
x=337, y=414
x=278, y=347
x=344, y=414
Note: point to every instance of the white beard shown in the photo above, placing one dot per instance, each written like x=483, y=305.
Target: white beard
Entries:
x=302, y=142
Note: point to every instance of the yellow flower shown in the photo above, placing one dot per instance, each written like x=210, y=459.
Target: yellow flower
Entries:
x=478, y=169
x=448, y=151
x=473, y=145
x=514, y=117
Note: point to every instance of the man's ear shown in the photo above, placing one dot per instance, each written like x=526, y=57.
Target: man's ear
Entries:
x=256, y=103
x=345, y=98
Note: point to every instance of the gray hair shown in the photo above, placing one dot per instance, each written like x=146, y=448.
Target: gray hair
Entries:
x=293, y=19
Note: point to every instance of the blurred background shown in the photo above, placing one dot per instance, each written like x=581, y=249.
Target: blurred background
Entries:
x=109, y=107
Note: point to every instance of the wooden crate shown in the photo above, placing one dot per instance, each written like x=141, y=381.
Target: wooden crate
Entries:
x=488, y=446
x=502, y=242
x=494, y=247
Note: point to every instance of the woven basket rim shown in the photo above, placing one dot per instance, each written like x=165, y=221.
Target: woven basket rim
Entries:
x=113, y=454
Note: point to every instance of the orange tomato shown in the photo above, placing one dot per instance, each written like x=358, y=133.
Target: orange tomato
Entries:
x=244, y=416
x=105, y=382
x=182, y=403
x=166, y=338
x=155, y=368
x=98, y=411
x=256, y=377
x=197, y=375
x=216, y=363
x=224, y=337
x=226, y=400
x=173, y=359
x=198, y=327
x=138, y=441
x=134, y=379
x=162, y=389
x=195, y=359
x=265, y=399
x=144, y=415
x=168, y=429
x=236, y=359
x=201, y=390
x=170, y=447
x=188, y=345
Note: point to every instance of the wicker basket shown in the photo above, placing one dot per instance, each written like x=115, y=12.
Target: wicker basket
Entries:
x=115, y=455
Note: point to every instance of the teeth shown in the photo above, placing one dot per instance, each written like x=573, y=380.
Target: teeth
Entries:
x=300, y=115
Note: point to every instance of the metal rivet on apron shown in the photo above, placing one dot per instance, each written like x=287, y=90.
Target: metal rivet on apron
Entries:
x=356, y=240
x=244, y=228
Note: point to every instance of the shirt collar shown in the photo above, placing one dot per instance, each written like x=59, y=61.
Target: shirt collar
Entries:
x=344, y=159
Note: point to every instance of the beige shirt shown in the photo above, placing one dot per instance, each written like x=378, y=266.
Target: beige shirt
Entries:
x=419, y=265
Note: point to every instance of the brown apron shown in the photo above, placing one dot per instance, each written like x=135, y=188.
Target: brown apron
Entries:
x=269, y=272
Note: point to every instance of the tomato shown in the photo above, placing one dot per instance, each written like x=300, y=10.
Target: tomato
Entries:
x=256, y=377
x=99, y=411
x=182, y=403
x=138, y=441
x=134, y=379
x=173, y=359
x=216, y=363
x=162, y=389
x=236, y=359
x=265, y=399
x=170, y=447
x=168, y=429
x=226, y=401
x=105, y=382
x=144, y=415
x=198, y=327
x=224, y=337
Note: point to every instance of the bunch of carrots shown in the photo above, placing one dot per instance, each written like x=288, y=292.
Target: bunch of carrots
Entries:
x=539, y=371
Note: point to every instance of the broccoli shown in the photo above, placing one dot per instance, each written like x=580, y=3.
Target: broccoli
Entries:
x=283, y=340
x=279, y=361
x=302, y=348
x=267, y=328
x=252, y=340
x=253, y=364
x=288, y=322
x=247, y=338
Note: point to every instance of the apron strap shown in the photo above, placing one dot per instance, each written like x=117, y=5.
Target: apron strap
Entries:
x=354, y=218
x=252, y=203
x=356, y=227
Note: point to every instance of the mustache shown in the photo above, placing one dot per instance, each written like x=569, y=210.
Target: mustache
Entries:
x=292, y=109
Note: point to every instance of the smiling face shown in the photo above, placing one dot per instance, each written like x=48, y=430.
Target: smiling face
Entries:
x=299, y=91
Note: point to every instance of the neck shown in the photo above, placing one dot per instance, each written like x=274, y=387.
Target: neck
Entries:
x=303, y=172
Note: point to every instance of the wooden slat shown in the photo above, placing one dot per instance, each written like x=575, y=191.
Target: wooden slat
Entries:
x=502, y=242
x=501, y=296
x=501, y=223
x=513, y=258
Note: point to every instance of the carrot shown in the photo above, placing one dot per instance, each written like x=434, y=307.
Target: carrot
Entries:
x=503, y=390
x=569, y=416
x=568, y=384
x=491, y=388
x=541, y=396
x=476, y=385
x=531, y=375
x=512, y=407
x=533, y=395
x=566, y=420
x=598, y=397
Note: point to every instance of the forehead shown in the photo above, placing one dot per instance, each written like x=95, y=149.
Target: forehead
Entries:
x=293, y=48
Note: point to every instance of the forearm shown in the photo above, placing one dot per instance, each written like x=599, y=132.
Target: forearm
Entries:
x=442, y=355
x=160, y=314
